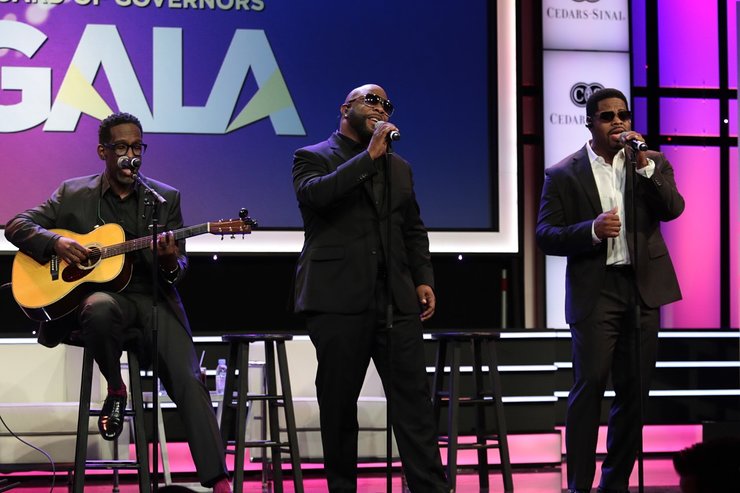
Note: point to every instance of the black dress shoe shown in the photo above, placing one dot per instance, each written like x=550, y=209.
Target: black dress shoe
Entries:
x=110, y=421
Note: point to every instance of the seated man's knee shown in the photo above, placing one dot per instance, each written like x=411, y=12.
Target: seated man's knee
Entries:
x=97, y=310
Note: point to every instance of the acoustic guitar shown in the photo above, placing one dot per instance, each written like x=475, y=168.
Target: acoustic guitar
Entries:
x=49, y=291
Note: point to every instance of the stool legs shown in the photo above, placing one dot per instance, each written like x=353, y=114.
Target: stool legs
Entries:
x=241, y=415
x=236, y=419
x=453, y=414
x=274, y=440
x=480, y=415
x=483, y=353
x=295, y=460
x=489, y=353
x=83, y=423
x=137, y=404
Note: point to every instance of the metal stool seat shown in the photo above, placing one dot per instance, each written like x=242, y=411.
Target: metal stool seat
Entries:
x=234, y=407
x=141, y=463
x=487, y=394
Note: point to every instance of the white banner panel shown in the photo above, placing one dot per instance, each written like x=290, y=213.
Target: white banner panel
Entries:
x=570, y=77
x=594, y=25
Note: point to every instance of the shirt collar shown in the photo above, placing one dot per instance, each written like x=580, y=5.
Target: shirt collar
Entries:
x=105, y=186
x=350, y=144
x=596, y=159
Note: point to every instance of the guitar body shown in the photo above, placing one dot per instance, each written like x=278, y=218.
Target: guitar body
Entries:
x=43, y=298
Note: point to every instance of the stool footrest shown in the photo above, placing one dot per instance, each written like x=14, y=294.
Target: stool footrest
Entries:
x=467, y=401
x=474, y=446
x=492, y=437
x=112, y=464
x=260, y=397
x=258, y=443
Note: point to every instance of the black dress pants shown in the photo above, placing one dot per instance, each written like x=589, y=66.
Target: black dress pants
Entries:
x=605, y=343
x=345, y=344
x=110, y=320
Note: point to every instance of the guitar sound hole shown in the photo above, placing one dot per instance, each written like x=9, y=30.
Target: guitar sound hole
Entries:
x=72, y=273
x=92, y=259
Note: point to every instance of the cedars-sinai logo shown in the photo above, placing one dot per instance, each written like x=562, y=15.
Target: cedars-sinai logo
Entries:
x=581, y=91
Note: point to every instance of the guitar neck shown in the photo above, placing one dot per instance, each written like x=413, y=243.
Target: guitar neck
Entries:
x=145, y=241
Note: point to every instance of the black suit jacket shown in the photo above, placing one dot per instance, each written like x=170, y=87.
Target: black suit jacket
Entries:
x=75, y=206
x=568, y=207
x=345, y=233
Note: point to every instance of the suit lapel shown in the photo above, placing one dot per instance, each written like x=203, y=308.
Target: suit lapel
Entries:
x=340, y=157
x=586, y=178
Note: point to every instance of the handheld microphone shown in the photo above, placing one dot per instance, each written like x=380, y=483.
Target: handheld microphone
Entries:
x=635, y=144
x=394, y=135
x=125, y=163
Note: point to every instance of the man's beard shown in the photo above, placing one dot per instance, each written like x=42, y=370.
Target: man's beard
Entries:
x=359, y=124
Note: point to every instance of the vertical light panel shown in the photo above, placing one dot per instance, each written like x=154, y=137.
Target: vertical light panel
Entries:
x=693, y=239
x=734, y=239
x=639, y=115
x=687, y=42
x=686, y=116
x=586, y=48
x=731, y=44
x=639, y=44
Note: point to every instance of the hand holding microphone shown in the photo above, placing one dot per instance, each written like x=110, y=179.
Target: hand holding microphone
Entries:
x=631, y=139
x=393, y=135
x=385, y=132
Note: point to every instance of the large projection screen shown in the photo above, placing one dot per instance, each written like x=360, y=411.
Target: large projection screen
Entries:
x=227, y=89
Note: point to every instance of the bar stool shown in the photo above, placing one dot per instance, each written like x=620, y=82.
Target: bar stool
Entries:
x=234, y=407
x=487, y=394
x=141, y=463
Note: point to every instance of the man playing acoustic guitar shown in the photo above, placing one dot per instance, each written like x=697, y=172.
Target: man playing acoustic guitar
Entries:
x=109, y=318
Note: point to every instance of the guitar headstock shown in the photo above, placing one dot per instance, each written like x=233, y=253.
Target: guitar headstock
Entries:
x=232, y=227
x=244, y=216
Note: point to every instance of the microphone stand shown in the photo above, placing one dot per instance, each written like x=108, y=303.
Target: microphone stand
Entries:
x=636, y=320
x=157, y=200
x=389, y=319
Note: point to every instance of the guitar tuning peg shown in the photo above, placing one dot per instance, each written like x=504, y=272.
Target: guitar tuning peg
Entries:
x=232, y=236
x=243, y=213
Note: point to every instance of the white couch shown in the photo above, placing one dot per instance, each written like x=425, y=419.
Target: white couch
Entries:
x=39, y=398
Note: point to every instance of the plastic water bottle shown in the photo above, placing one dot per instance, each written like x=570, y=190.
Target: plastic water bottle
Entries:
x=221, y=376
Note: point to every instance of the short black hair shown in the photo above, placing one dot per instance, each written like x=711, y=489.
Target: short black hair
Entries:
x=112, y=121
x=609, y=92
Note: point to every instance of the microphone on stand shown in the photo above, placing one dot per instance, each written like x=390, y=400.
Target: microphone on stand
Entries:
x=635, y=144
x=394, y=135
x=125, y=163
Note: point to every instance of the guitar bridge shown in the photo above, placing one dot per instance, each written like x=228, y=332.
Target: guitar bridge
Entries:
x=54, y=267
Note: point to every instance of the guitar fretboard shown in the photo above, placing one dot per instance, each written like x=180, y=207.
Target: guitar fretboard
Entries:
x=145, y=241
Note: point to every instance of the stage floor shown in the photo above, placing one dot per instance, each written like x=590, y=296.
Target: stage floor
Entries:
x=659, y=478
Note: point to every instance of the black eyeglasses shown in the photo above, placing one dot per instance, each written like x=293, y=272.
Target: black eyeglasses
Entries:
x=608, y=116
x=121, y=149
x=371, y=99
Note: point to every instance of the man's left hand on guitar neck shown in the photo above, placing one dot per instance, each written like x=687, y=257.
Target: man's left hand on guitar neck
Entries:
x=167, y=251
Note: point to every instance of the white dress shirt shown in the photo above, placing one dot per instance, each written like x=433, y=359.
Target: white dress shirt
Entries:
x=610, y=182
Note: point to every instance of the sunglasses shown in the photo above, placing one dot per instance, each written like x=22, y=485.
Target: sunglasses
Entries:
x=371, y=99
x=608, y=116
